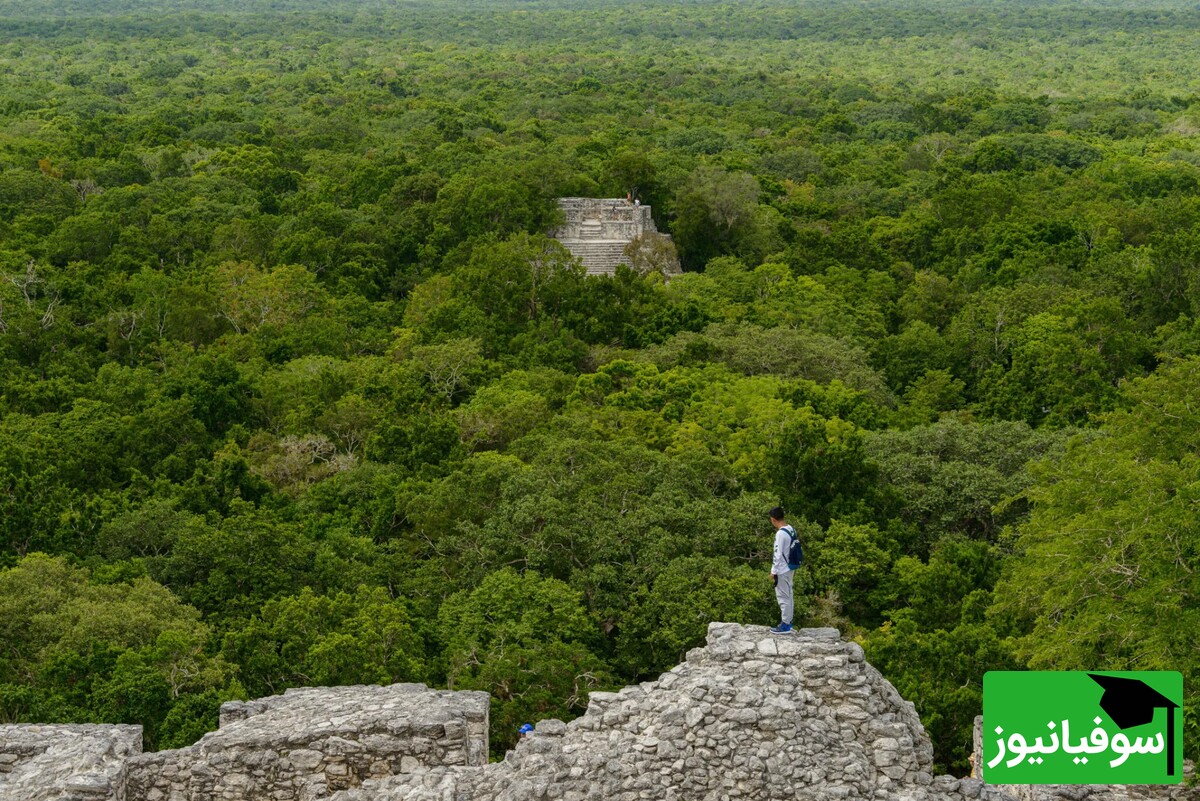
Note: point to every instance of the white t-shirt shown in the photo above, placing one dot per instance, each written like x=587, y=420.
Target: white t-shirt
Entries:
x=783, y=542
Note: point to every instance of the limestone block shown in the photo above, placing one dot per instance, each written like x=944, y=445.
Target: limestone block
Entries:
x=550, y=727
x=44, y=762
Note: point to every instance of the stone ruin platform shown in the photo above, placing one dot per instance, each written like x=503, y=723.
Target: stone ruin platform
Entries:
x=306, y=743
x=750, y=715
x=299, y=746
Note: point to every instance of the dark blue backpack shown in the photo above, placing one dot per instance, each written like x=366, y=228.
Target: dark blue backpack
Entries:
x=795, y=554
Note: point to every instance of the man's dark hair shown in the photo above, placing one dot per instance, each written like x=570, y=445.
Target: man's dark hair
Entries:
x=776, y=513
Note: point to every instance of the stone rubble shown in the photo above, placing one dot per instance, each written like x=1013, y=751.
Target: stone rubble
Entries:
x=751, y=715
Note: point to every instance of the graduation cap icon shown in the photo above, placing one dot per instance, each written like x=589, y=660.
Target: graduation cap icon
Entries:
x=1131, y=702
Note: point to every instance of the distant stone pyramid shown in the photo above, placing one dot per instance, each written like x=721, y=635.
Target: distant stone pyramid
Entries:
x=597, y=230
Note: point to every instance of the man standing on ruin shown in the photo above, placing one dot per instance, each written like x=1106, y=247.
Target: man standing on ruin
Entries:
x=781, y=572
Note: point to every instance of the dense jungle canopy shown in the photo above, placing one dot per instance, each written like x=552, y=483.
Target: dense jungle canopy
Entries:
x=294, y=390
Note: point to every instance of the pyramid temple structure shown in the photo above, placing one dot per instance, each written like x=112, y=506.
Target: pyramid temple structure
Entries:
x=598, y=230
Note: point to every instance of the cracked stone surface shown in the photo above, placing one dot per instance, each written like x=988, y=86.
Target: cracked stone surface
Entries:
x=65, y=763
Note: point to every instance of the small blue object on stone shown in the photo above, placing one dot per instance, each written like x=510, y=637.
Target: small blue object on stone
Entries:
x=525, y=728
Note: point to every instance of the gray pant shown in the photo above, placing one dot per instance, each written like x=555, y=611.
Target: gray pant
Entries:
x=783, y=594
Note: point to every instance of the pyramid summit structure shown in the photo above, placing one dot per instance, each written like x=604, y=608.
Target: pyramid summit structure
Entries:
x=598, y=230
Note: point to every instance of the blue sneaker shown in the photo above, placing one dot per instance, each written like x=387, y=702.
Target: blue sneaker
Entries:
x=782, y=628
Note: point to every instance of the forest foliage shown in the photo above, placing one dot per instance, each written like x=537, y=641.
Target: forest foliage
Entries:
x=294, y=389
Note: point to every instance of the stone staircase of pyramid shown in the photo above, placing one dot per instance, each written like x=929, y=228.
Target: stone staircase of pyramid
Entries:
x=599, y=256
